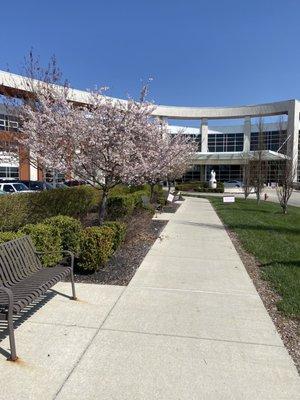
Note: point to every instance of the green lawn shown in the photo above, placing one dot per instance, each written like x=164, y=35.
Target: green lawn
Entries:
x=274, y=239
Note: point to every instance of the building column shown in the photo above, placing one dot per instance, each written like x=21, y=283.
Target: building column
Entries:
x=202, y=173
x=24, y=166
x=293, y=135
x=204, y=135
x=247, y=134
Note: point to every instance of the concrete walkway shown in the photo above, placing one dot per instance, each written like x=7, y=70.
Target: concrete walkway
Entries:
x=190, y=326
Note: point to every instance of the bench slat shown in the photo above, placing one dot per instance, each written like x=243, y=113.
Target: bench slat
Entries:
x=18, y=260
x=29, y=289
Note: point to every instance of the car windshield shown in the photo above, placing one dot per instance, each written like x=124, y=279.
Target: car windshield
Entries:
x=20, y=187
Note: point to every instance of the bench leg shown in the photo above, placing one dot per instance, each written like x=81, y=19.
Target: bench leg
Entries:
x=73, y=286
x=13, y=352
x=72, y=278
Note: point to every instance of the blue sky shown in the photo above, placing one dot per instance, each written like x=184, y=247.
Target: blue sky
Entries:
x=200, y=53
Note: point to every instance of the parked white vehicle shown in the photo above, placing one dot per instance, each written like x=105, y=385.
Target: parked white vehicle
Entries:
x=233, y=184
x=14, y=187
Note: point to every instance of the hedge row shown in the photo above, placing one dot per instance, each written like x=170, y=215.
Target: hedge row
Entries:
x=198, y=186
x=19, y=210
x=93, y=245
x=32, y=208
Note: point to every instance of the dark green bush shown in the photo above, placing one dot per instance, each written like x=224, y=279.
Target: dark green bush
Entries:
x=197, y=186
x=189, y=186
x=121, y=205
x=119, y=229
x=160, y=197
x=69, y=229
x=14, y=211
x=74, y=202
x=46, y=238
x=219, y=189
x=21, y=209
x=96, y=247
x=7, y=236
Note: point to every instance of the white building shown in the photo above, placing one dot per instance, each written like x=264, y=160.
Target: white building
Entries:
x=222, y=148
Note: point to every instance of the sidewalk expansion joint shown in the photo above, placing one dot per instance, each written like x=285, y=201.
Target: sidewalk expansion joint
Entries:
x=193, y=291
x=193, y=337
x=64, y=325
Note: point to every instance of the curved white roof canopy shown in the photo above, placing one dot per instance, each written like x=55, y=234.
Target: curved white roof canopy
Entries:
x=19, y=85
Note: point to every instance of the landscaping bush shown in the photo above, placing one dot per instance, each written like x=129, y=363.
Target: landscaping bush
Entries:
x=7, y=236
x=119, y=229
x=189, y=186
x=69, y=229
x=14, y=212
x=202, y=187
x=18, y=210
x=121, y=205
x=74, y=202
x=46, y=238
x=118, y=206
x=219, y=189
x=96, y=247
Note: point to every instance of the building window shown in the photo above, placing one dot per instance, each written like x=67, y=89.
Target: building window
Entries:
x=8, y=123
x=7, y=172
x=225, y=172
x=225, y=142
x=193, y=173
x=269, y=140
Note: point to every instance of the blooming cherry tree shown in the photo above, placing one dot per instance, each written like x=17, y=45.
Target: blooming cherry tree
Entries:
x=106, y=150
x=106, y=142
x=164, y=156
x=95, y=142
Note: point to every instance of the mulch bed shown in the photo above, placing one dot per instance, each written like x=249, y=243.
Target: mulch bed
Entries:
x=288, y=328
x=142, y=232
x=171, y=208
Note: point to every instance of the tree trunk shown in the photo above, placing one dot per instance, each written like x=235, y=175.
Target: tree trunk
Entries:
x=102, y=206
x=169, y=186
x=54, y=179
x=284, y=208
x=151, y=192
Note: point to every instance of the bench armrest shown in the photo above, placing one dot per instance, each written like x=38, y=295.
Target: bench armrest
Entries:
x=10, y=296
x=70, y=253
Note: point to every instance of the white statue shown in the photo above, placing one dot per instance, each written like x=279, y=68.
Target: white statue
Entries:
x=212, y=175
x=213, y=181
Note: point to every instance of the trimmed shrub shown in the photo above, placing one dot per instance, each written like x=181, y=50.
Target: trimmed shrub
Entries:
x=74, y=202
x=69, y=229
x=189, y=186
x=7, y=236
x=14, y=211
x=96, y=247
x=119, y=229
x=202, y=187
x=160, y=196
x=46, y=238
x=121, y=205
x=118, y=206
x=219, y=189
x=21, y=209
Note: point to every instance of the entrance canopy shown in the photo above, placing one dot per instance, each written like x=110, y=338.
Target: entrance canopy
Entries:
x=237, y=157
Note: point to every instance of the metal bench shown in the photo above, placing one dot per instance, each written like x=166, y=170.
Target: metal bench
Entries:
x=23, y=279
